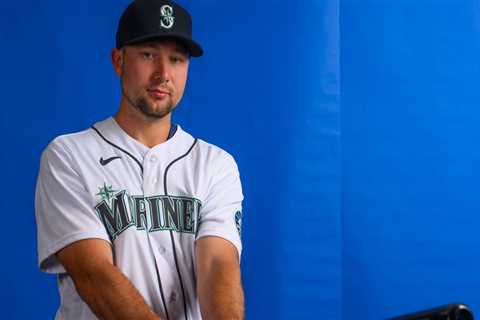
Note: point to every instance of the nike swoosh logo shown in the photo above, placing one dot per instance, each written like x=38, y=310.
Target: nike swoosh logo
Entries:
x=107, y=161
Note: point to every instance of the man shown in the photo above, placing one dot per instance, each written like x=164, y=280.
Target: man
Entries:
x=138, y=219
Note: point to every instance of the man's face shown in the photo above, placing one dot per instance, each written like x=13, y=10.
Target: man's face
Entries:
x=153, y=75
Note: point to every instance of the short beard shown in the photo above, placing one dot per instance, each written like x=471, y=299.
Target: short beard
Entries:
x=142, y=105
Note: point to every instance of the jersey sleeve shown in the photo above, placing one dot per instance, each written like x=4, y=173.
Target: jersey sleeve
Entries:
x=221, y=212
x=62, y=208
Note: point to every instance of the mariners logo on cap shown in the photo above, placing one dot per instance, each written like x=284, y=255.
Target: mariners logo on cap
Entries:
x=167, y=20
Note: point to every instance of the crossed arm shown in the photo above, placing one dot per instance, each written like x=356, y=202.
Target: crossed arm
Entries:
x=111, y=295
x=218, y=279
x=103, y=287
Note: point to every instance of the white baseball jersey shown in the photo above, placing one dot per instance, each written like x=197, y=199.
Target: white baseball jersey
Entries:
x=151, y=204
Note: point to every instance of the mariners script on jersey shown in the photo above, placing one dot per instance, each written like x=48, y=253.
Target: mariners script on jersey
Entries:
x=101, y=183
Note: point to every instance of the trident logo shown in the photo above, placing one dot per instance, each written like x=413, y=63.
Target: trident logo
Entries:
x=167, y=19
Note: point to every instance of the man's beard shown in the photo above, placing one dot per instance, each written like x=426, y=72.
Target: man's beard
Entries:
x=141, y=104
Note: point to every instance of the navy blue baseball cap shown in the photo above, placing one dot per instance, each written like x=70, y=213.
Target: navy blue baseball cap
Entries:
x=146, y=20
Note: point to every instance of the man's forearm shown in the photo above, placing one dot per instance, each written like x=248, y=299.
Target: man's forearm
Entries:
x=111, y=295
x=220, y=293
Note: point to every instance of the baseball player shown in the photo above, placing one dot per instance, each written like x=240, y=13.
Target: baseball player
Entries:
x=137, y=218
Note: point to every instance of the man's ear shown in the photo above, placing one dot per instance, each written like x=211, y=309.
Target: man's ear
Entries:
x=117, y=57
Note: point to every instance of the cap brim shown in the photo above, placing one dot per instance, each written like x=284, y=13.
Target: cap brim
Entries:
x=193, y=48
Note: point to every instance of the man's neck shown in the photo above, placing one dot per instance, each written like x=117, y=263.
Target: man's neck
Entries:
x=148, y=131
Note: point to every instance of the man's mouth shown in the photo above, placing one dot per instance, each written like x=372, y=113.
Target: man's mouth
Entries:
x=158, y=93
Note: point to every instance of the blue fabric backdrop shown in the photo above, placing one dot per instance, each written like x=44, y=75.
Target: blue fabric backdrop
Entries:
x=354, y=125
x=410, y=95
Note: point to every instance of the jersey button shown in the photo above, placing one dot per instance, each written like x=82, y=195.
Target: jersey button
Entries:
x=153, y=159
x=173, y=297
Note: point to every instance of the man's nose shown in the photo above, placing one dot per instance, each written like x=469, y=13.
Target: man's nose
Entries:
x=162, y=70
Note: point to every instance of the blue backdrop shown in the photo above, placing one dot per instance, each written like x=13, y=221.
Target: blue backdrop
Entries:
x=354, y=125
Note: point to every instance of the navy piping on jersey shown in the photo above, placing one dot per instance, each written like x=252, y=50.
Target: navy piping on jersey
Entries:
x=119, y=148
x=171, y=163
x=171, y=233
x=173, y=129
x=171, y=133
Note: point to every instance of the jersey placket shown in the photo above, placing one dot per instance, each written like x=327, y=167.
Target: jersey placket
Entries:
x=154, y=168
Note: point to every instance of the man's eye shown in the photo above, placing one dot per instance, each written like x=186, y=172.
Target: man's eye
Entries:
x=147, y=55
x=177, y=59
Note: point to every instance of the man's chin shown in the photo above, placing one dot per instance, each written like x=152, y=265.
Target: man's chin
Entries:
x=156, y=113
